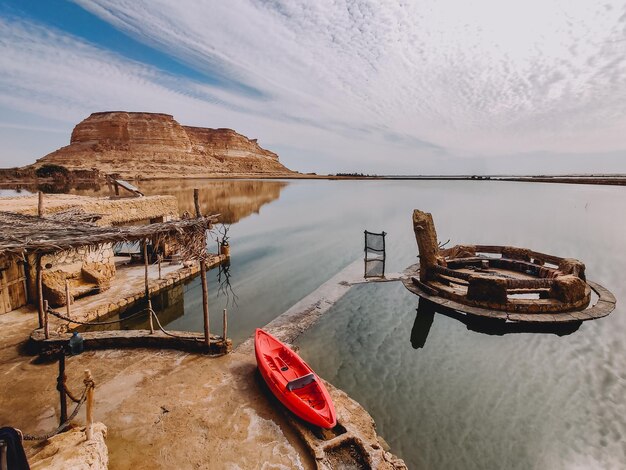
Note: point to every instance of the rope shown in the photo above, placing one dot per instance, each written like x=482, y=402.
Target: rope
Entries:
x=66, y=423
x=70, y=394
x=153, y=313
x=78, y=322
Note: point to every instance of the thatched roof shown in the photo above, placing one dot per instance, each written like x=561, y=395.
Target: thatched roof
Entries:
x=21, y=234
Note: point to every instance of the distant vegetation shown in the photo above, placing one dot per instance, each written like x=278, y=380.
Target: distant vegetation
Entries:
x=357, y=175
x=52, y=171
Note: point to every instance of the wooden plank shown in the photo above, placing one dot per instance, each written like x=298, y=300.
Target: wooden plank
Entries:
x=5, y=304
x=12, y=287
x=129, y=187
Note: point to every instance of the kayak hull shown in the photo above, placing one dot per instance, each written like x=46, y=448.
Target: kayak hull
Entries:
x=293, y=382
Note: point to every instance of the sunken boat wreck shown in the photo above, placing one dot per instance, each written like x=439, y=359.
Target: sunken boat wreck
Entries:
x=502, y=282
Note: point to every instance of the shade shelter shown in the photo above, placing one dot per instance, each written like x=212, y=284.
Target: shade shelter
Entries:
x=25, y=239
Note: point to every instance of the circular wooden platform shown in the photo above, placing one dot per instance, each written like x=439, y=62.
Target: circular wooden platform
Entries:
x=601, y=308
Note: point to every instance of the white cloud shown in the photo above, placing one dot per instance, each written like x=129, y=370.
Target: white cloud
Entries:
x=48, y=73
x=487, y=76
x=369, y=85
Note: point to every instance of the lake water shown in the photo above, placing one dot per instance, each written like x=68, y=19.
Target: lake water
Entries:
x=444, y=396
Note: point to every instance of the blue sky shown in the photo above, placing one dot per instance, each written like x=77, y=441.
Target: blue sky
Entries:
x=381, y=86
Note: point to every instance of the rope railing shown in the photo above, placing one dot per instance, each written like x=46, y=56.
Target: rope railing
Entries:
x=70, y=394
x=154, y=315
x=89, y=384
x=92, y=323
x=110, y=322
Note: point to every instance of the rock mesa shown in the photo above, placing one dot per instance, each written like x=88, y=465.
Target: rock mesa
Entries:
x=140, y=145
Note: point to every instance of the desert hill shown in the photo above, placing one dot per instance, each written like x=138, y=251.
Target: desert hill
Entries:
x=151, y=145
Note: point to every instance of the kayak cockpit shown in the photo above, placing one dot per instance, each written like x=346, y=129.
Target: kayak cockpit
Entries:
x=300, y=382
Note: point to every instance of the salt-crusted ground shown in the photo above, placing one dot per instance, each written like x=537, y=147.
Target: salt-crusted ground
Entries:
x=163, y=409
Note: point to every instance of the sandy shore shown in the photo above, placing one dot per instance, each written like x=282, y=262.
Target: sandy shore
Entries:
x=172, y=409
x=163, y=409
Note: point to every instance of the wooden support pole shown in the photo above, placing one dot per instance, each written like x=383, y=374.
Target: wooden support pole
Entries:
x=40, y=291
x=5, y=305
x=89, y=406
x=150, y=315
x=159, y=259
x=46, y=325
x=61, y=387
x=205, y=303
x=68, y=299
x=196, y=201
x=205, y=289
x=40, y=205
x=145, y=263
x=225, y=324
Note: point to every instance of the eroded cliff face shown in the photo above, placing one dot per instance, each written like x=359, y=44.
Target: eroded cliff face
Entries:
x=131, y=131
x=149, y=145
x=225, y=143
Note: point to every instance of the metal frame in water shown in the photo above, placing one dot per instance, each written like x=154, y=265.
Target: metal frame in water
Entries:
x=368, y=248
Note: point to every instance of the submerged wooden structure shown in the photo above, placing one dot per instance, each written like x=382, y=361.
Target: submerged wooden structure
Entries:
x=503, y=282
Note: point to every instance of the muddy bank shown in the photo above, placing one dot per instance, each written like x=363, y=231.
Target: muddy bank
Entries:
x=163, y=409
x=168, y=408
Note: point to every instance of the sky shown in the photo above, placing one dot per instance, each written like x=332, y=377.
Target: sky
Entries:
x=380, y=86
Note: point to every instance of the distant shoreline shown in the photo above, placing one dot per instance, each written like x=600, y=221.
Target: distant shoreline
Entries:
x=614, y=180
x=603, y=179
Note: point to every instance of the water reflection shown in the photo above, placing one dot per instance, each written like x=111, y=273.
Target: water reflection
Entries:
x=225, y=288
x=233, y=199
x=466, y=400
x=54, y=187
x=426, y=311
x=423, y=321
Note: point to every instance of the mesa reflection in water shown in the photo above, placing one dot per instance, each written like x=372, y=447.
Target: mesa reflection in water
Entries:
x=233, y=199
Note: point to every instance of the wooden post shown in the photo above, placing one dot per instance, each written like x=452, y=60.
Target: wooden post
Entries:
x=150, y=314
x=40, y=205
x=46, y=327
x=40, y=292
x=61, y=387
x=196, y=202
x=225, y=324
x=205, y=289
x=89, y=406
x=68, y=299
x=205, y=303
x=145, y=263
x=109, y=186
x=159, y=258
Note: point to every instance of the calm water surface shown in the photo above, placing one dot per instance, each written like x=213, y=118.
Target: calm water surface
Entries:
x=444, y=396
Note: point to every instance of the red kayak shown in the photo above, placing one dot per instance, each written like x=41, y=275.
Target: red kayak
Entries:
x=293, y=382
